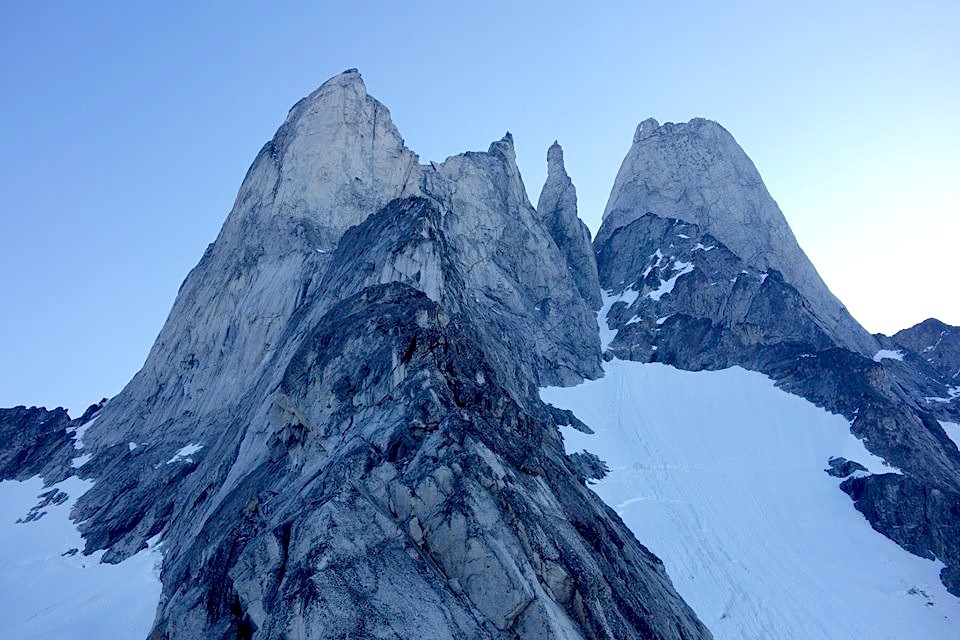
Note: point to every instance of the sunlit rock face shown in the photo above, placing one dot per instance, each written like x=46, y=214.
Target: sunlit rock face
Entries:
x=557, y=208
x=696, y=172
x=338, y=432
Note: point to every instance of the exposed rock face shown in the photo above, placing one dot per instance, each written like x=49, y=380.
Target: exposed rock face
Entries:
x=696, y=172
x=842, y=468
x=701, y=271
x=925, y=362
x=410, y=498
x=937, y=343
x=922, y=385
x=337, y=158
x=922, y=519
x=35, y=441
x=660, y=273
x=515, y=276
x=353, y=368
x=338, y=431
x=557, y=208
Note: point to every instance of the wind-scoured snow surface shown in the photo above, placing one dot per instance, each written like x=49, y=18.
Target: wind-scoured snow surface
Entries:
x=721, y=475
x=46, y=594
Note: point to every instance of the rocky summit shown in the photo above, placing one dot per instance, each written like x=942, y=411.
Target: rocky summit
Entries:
x=696, y=172
x=339, y=431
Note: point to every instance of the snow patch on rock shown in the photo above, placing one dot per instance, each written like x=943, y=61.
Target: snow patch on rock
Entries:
x=888, y=354
x=608, y=299
x=79, y=461
x=184, y=453
x=79, y=432
x=666, y=286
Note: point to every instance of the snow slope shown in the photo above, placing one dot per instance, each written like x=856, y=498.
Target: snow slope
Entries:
x=721, y=475
x=45, y=594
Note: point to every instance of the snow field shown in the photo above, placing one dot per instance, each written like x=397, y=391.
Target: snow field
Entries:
x=46, y=594
x=721, y=475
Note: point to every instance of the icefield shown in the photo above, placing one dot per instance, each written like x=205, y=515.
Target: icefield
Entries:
x=721, y=474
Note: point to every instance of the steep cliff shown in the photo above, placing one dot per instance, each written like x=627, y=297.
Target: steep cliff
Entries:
x=338, y=431
x=696, y=172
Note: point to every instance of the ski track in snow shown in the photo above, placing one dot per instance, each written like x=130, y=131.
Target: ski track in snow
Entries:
x=45, y=594
x=721, y=475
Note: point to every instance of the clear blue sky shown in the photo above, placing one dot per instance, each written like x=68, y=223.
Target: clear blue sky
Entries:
x=127, y=128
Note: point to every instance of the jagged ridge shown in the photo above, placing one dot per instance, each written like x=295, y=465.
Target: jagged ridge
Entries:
x=359, y=354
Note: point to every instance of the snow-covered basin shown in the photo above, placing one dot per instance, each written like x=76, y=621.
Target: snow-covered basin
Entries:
x=721, y=475
x=45, y=594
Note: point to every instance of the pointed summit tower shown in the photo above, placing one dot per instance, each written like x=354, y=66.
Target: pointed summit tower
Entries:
x=696, y=172
x=557, y=208
x=337, y=157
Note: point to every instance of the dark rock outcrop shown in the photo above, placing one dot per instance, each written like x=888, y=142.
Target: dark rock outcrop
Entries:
x=35, y=442
x=922, y=519
x=665, y=277
x=588, y=466
x=937, y=343
x=925, y=361
x=842, y=468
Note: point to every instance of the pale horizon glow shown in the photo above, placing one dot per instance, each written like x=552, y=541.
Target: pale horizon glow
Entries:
x=128, y=130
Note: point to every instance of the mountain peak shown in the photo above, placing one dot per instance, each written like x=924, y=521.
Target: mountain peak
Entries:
x=645, y=129
x=696, y=172
x=342, y=427
x=337, y=157
x=555, y=164
x=504, y=147
x=304, y=349
x=347, y=75
x=349, y=80
x=557, y=209
x=935, y=342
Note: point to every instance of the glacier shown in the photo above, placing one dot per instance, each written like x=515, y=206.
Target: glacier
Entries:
x=721, y=474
